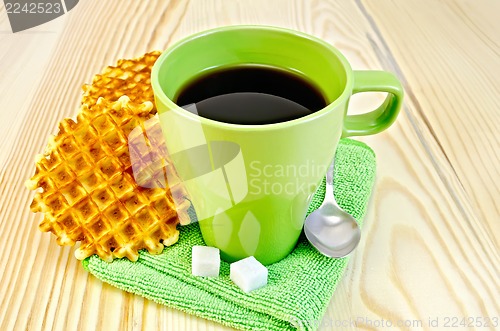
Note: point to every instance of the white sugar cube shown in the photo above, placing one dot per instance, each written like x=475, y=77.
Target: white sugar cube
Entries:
x=205, y=261
x=249, y=274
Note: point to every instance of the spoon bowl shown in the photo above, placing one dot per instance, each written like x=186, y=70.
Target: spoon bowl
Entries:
x=331, y=230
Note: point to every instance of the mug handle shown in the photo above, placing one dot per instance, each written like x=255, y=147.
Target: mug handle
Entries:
x=382, y=117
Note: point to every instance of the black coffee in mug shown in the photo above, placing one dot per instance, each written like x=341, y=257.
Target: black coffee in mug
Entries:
x=251, y=95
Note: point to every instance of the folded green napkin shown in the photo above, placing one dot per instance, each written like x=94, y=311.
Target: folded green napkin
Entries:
x=299, y=287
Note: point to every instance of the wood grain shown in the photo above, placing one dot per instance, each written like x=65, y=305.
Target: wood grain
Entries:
x=457, y=95
x=431, y=236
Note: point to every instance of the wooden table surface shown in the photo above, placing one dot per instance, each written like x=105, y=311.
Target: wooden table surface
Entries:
x=430, y=246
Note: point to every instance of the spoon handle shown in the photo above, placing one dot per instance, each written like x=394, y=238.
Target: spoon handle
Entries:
x=329, y=197
x=329, y=175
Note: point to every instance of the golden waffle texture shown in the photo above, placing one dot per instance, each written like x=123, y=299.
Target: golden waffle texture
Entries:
x=85, y=182
x=130, y=77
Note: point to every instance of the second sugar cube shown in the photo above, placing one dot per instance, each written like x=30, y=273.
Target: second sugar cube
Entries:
x=249, y=274
x=205, y=261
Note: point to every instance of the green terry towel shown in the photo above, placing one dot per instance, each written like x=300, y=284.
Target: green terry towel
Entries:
x=299, y=287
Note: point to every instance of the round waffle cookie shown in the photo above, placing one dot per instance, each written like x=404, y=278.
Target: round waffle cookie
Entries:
x=89, y=193
x=130, y=77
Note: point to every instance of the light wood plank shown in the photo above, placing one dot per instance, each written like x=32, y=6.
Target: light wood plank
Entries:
x=21, y=74
x=449, y=52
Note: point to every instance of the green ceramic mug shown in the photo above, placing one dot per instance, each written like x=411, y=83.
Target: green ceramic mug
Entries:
x=251, y=184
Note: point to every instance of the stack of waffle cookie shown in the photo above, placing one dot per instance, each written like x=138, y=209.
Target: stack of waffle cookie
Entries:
x=85, y=183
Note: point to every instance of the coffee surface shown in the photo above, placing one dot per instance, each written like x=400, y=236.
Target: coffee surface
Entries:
x=251, y=95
